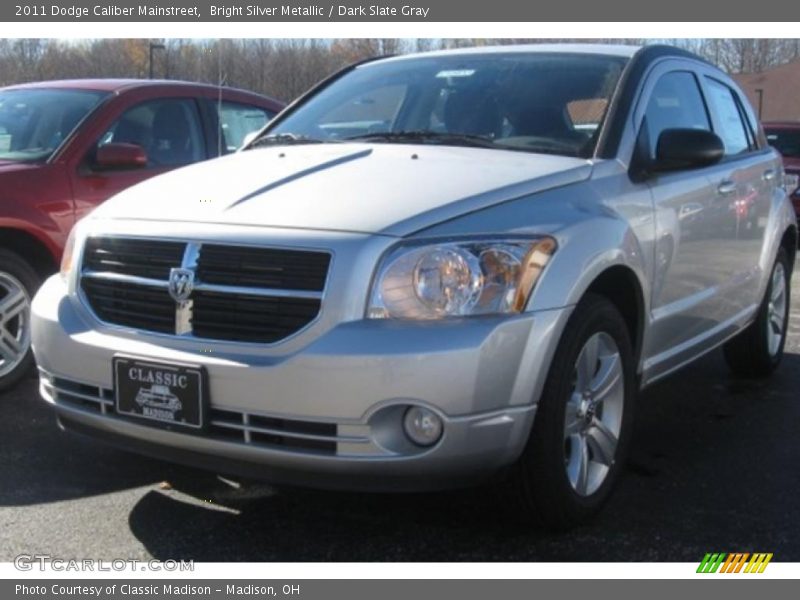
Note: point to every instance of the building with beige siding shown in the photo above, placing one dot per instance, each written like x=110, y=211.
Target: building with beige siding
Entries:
x=775, y=93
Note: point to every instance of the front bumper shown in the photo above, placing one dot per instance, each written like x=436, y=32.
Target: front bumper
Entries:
x=349, y=388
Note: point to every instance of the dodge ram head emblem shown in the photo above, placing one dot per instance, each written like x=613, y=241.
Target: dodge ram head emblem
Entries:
x=181, y=284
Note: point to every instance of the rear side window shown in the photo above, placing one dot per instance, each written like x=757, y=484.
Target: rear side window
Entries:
x=733, y=131
x=237, y=120
x=676, y=102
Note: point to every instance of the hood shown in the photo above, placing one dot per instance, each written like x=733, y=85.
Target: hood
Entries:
x=371, y=188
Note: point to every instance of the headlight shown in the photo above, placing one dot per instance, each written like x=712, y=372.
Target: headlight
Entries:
x=450, y=279
x=67, y=256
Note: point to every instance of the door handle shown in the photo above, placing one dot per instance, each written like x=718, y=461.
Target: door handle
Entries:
x=769, y=175
x=726, y=188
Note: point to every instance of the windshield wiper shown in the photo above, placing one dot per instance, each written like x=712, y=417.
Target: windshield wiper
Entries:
x=285, y=139
x=427, y=137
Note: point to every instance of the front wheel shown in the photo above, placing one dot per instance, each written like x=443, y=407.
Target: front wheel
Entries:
x=18, y=282
x=757, y=351
x=580, y=435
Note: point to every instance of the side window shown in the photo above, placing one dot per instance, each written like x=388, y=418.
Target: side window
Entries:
x=168, y=130
x=237, y=120
x=733, y=131
x=676, y=102
x=751, y=121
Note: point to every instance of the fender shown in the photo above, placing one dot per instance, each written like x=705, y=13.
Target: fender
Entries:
x=39, y=235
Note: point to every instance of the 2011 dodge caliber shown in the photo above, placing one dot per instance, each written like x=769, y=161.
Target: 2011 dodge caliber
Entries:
x=431, y=270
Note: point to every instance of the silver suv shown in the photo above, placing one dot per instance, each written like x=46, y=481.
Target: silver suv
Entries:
x=431, y=270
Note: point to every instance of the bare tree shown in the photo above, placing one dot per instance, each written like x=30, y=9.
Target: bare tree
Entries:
x=285, y=68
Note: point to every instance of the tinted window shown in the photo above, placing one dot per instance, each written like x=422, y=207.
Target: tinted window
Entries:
x=676, y=102
x=724, y=104
x=33, y=123
x=785, y=141
x=536, y=102
x=237, y=120
x=371, y=112
x=168, y=130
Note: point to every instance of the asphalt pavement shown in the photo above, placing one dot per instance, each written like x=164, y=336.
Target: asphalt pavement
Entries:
x=715, y=466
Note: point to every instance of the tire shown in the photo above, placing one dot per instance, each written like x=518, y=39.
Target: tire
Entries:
x=18, y=284
x=757, y=351
x=548, y=474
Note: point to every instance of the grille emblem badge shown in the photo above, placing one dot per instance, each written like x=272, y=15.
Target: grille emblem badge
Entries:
x=181, y=284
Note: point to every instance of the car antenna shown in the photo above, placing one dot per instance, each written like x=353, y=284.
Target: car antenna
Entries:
x=221, y=80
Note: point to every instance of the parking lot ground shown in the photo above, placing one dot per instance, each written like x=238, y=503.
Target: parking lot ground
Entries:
x=714, y=467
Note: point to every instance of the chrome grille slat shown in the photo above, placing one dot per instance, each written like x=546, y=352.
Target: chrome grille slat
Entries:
x=270, y=292
x=112, y=276
x=85, y=397
x=239, y=293
x=282, y=432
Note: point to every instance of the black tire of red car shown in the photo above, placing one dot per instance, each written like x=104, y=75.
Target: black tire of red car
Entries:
x=14, y=270
x=749, y=354
x=541, y=479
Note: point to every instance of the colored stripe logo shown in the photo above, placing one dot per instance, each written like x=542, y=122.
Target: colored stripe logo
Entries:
x=734, y=562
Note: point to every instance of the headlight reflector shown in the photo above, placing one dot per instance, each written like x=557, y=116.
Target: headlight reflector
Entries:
x=451, y=279
x=446, y=280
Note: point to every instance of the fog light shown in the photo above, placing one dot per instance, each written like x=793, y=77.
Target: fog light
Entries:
x=422, y=426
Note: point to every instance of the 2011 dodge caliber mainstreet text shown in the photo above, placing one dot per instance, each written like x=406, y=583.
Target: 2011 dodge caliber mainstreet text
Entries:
x=431, y=270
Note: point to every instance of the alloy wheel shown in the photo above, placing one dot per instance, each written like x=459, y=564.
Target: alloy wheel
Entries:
x=15, y=334
x=593, y=416
x=776, y=310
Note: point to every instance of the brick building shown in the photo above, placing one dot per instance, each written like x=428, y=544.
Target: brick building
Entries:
x=775, y=92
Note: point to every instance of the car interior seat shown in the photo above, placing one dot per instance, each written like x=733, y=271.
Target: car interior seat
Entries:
x=171, y=142
x=473, y=112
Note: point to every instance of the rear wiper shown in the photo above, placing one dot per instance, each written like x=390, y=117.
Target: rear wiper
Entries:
x=423, y=137
x=285, y=139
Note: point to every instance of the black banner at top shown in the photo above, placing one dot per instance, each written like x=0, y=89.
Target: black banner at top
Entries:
x=394, y=11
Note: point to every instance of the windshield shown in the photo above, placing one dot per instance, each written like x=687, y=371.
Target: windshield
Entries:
x=33, y=123
x=785, y=141
x=536, y=102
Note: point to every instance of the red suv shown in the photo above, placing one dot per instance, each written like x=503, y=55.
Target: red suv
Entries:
x=66, y=146
x=785, y=138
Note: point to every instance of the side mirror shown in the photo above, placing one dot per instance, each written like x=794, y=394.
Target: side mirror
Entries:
x=679, y=149
x=118, y=155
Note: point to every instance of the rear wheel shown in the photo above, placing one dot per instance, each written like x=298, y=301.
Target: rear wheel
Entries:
x=580, y=434
x=18, y=283
x=758, y=350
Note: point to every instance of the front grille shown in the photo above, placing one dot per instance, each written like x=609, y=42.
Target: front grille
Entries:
x=140, y=258
x=78, y=395
x=274, y=432
x=240, y=293
x=247, y=318
x=224, y=425
x=131, y=305
x=263, y=267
